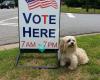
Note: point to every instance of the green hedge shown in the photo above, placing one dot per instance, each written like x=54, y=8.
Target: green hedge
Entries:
x=82, y=3
x=16, y=2
x=76, y=3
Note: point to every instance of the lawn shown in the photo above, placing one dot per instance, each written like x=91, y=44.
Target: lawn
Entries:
x=66, y=9
x=90, y=71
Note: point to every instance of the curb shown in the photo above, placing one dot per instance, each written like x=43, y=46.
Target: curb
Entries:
x=15, y=45
x=9, y=46
x=88, y=34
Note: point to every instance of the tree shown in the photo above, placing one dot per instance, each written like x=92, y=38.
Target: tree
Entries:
x=73, y=3
x=1, y=1
x=16, y=2
x=83, y=3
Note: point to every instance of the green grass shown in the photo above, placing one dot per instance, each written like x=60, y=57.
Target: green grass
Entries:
x=90, y=71
x=66, y=9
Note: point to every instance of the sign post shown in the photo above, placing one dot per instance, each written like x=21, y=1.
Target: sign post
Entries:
x=39, y=22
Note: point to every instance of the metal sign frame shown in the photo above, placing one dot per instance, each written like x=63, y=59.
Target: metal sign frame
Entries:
x=22, y=51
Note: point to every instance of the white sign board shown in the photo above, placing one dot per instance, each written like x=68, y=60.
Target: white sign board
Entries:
x=39, y=24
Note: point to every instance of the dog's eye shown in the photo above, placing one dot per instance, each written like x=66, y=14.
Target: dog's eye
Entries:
x=68, y=40
x=73, y=40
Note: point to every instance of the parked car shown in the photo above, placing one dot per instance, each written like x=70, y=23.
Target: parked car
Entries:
x=7, y=4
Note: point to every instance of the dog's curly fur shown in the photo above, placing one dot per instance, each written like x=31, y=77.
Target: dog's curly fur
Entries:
x=70, y=52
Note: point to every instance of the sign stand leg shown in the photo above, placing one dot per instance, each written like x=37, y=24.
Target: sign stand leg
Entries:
x=17, y=59
x=37, y=67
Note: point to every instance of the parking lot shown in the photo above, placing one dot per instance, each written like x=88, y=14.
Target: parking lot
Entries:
x=70, y=24
x=8, y=26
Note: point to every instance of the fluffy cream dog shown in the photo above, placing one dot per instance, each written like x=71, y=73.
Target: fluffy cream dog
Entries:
x=69, y=52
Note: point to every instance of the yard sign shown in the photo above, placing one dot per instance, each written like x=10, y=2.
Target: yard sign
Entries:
x=39, y=24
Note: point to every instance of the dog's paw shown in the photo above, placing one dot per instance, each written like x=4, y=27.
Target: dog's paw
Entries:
x=71, y=68
x=62, y=63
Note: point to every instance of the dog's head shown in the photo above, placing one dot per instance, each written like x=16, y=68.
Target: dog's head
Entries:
x=68, y=43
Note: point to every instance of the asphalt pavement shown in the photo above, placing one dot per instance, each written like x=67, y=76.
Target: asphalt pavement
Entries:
x=8, y=26
x=71, y=24
x=74, y=24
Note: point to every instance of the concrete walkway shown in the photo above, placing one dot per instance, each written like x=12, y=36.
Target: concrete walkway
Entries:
x=9, y=46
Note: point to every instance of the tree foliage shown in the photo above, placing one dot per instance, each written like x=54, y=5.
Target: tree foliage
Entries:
x=81, y=3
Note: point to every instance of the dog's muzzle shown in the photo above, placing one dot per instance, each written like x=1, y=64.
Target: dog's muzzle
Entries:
x=71, y=45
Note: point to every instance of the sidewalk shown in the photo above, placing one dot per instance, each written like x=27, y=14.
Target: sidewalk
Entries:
x=9, y=46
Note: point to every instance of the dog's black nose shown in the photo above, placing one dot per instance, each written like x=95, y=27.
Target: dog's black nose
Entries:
x=72, y=43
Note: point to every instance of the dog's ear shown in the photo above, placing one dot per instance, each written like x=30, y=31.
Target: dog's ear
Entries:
x=62, y=45
x=75, y=41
